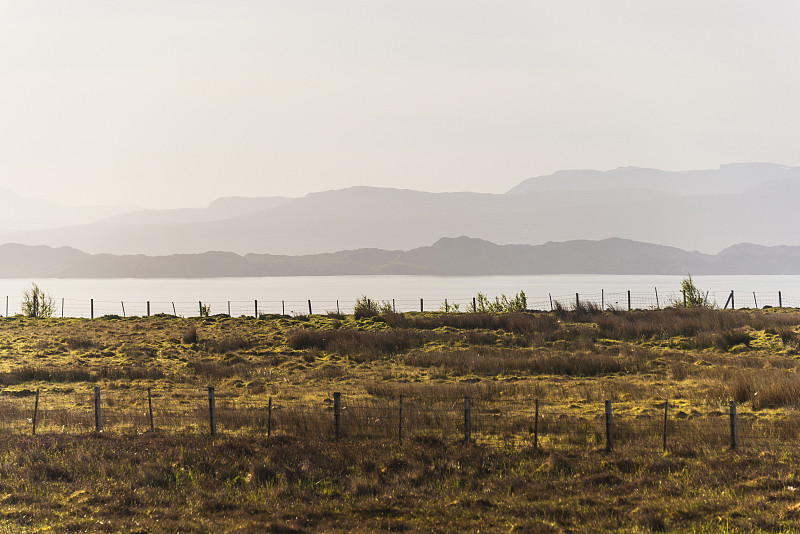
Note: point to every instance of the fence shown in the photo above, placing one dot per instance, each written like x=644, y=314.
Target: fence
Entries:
x=658, y=425
x=621, y=300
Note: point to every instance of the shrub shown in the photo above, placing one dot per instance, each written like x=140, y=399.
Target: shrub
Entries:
x=37, y=303
x=694, y=297
x=366, y=307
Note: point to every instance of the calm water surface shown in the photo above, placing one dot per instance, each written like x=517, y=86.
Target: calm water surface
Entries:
x=291, y=294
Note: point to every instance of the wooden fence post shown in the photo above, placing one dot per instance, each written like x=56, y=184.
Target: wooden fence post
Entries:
x=269, y=418
x=123, y=307
x=780, y=300
x=474, y=305
x=609, y=428
x=62, y=307
x=684, y=298
x=91, y=308
x=734, y=427
x=536, y=425
x=394, y=310
x=98, y=419
x=551, y=301
x=629, y=300
x=309, y=307
x=35, y=305
x=467, y=420
x=229, y=308
x=577, y=301
x=255, y=308
x=150, y=408
x=174, y=311
x=200, y=307
x=666, y=407
x=337, y=415
x=446, y=306
x=420, y=305
x=35, y=410
x=6, y=305
x=400, y=420
x=212, y=411
x=602, y=299
x=283, y=307
x=658, y=305
x=148, y=308
x=337, y=306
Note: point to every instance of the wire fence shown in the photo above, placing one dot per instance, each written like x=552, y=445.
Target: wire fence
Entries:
x=583, y=426
x=619, y=300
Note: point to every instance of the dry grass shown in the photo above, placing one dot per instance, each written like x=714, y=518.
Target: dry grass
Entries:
x=180, y=479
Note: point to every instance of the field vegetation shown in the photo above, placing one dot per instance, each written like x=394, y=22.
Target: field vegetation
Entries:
x=178, y=478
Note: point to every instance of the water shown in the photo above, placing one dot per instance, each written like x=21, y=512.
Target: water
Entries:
x=291, y=294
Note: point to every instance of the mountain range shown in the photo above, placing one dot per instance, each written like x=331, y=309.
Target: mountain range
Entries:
x=705, y=210
x=447, y=257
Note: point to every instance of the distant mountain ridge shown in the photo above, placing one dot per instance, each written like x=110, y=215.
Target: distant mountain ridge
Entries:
x=461, y=256
x=706, y=210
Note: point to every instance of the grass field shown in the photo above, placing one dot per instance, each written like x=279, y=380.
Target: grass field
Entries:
x=179, y=478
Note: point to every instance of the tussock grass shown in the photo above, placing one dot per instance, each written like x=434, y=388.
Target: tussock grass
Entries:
x=518, y=323
x=368, y=344
x=494, y=361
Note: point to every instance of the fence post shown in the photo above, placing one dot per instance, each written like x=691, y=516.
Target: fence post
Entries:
x=780, y=300
x=551, y=301
x=123, y=307
x=148, y=308
x=658, y=305
x=577, y=301
x=536, y=425
x=174, y=311
x=400, y=420
x=467, y=420
x=62, y=307
x=269, y=418
x=666, y=407
x=629, y=300
x=755, y=302
x=684, y=297
x=6, y=305
x=200, y=307
x=35, y=410
x=524, y=303
x=474, y=305
x=98, y=419
x=229, y=308
x=394, y=310
x=283, y=307
x=35, y=305
x=337, y=306
x=212, y=411
x=734, y=428
x=602, y=299
x=91, y=308
x=609, y=428
x=255, y=308
x=150, y=408
x=309, y=307
x=337, y=415
x=420, y=305
x=733, y=305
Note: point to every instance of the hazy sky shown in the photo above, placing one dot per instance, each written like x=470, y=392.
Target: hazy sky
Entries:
x=176, y=102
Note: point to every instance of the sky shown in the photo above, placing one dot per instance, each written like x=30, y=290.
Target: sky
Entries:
x=172, y=103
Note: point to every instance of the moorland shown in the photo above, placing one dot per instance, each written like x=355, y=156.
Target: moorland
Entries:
x=517, y=473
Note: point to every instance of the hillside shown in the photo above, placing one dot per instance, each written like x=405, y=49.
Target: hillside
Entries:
x=446, y=257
